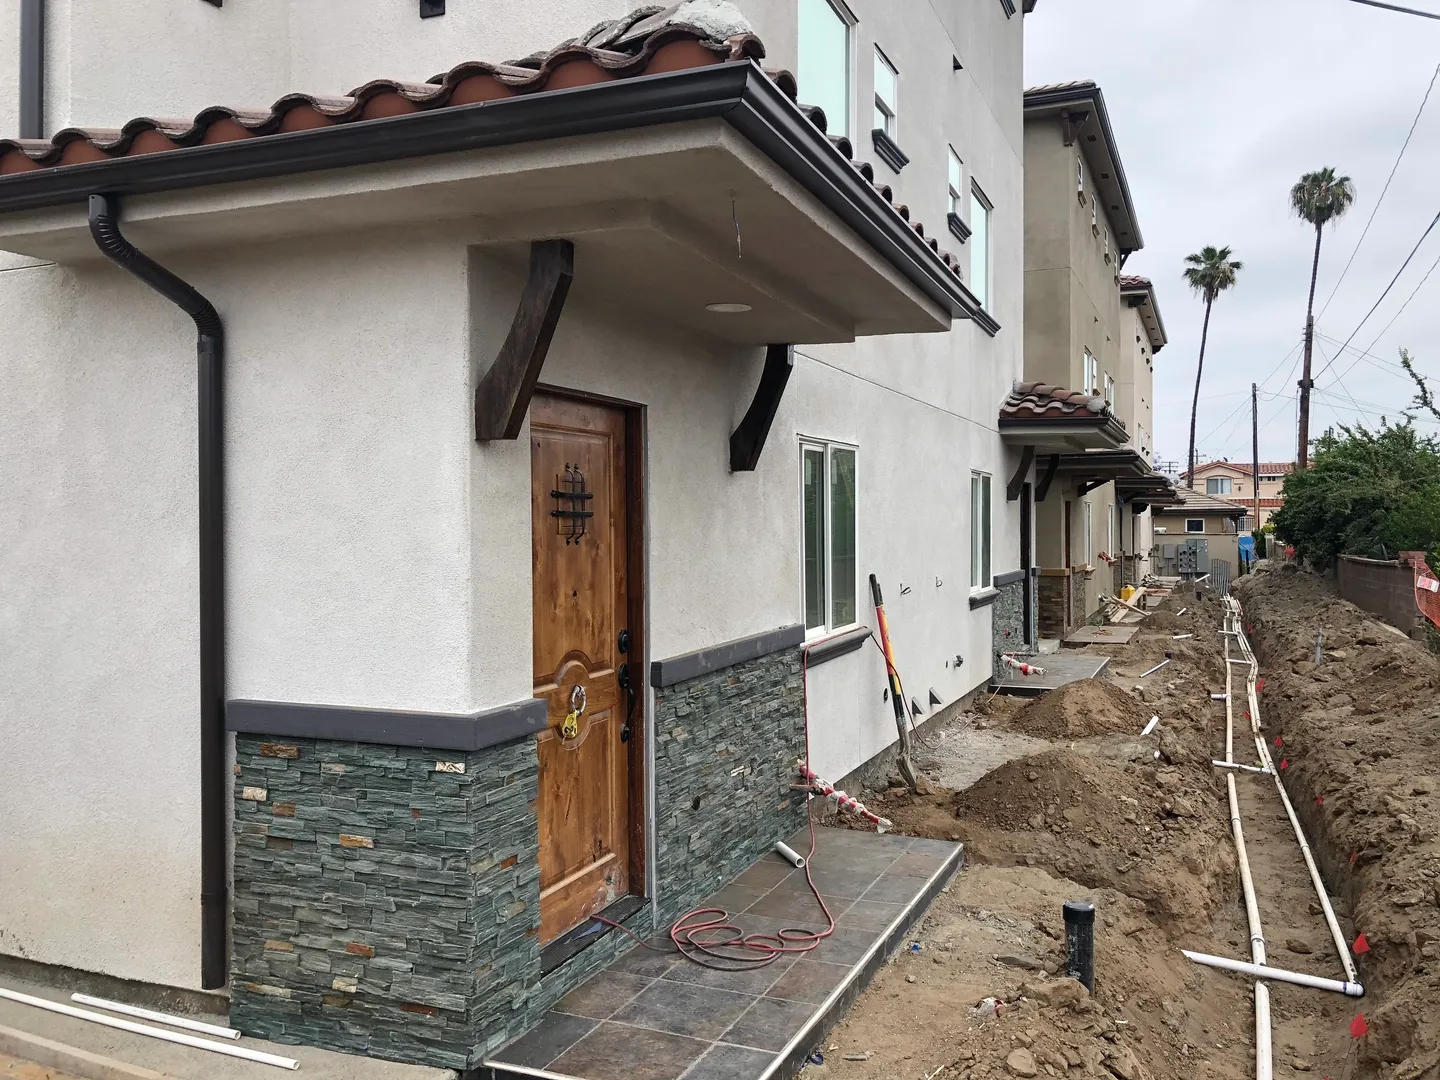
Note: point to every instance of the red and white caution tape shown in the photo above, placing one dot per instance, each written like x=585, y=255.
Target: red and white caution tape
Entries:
x=845, y=802
x=1023, y=668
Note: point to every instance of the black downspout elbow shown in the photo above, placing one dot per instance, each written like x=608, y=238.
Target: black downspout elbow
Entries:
x=214, y=808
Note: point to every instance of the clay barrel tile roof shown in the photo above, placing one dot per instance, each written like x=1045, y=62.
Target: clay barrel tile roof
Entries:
x=1042, y=401
x=650, y=40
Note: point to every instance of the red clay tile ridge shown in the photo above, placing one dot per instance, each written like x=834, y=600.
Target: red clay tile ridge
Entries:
x=1132, y=281
x=650, y=40
x=1043, y=401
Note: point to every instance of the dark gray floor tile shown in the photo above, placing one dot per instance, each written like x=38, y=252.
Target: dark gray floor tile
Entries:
x=723, y=1062
x=543, y=1043
x=926, y=846
x=769, y=1024
x=894, y=889
x=838, y=881
x=601, y=996
x=845, y=946
x=616, y=1052
x=871, y=915
x=797, y=908
x=809, y=981
x=751, y=980
x=647, y=962
x=917, y=864
x=734, y=898
x=700, y=1012
x=765, y=874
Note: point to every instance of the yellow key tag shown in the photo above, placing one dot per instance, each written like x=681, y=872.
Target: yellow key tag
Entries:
x=571, y=727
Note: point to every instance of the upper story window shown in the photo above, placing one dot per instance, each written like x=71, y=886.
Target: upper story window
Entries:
x=1091, y=375
x=1094, y=213
x=980, y=209
x=1218, y=485
x=828, y=501
x=825, y=61
x=1194, y=525
x=887, y=86
x=1271, y=478
x=955, y=202
x=1110, y=390
x=1105, y=232
x=1079, y=175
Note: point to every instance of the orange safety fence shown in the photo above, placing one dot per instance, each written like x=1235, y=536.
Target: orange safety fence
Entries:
x=1427, y=594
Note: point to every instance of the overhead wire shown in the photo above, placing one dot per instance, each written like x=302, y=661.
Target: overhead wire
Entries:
x=1376, y=209
x=1397, y=7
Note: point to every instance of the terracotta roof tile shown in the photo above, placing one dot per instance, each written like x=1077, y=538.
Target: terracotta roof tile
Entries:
x=1043, y=401
x=1267, y=468
x=1132, y=281
x=1199, y=502
x=650, y=40
x=1073, y=84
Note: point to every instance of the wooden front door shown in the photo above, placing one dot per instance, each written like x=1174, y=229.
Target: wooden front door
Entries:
x=580, y=530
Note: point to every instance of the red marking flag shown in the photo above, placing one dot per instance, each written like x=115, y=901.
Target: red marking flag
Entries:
x=1358, y=1027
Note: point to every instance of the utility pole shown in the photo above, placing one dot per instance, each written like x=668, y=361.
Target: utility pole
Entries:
x=1255, y=451
x=1302, y=450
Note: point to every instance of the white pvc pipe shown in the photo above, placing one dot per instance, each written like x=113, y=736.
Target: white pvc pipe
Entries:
x=153, y=1032
x=1239, y=767
x=1154, y=721
x=790, y=855
x=1263, y=971
x=1342, y=947
x=1156, y=668
x=159, y=1017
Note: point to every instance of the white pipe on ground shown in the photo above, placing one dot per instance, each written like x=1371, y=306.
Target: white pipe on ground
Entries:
x=1264, y=971
x=1264, y=1051
x=1238, y=767
x=1154, y=721
x=158, y=1017
x=1342, y=947
x=155, y=1033
x=1154, y=669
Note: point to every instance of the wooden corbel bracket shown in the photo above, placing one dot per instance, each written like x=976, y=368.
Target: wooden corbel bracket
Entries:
x=503, y=397
x=1027, y=458
x=749, y=438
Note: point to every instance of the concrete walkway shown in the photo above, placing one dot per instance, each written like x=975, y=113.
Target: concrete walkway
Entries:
x=183, y=1062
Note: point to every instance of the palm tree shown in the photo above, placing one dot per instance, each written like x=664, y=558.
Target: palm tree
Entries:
x=1209, y=272
x=1318, y=198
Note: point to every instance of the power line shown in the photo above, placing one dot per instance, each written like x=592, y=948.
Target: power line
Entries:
x=1397, y=7
x=1428, y=229
x=1364, y=354
x=1404, y=146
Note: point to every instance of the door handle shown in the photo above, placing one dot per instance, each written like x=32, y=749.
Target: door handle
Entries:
x=622, y=677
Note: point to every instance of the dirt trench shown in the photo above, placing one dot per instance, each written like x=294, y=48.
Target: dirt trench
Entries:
x=1078, y=805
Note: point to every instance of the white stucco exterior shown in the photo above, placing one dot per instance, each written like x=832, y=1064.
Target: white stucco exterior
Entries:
x=377, y=555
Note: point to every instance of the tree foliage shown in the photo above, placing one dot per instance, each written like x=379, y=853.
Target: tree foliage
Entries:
x=1368, y=493
x=1320, y=197
x=1209, y=271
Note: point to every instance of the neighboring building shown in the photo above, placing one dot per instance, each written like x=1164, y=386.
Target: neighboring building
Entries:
x=1203, y=523
x=1091, y=335
x=1231, y=480
x=568, y=405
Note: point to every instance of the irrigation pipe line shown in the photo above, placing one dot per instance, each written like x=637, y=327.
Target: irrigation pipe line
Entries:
x=1342, y=947
x=1264, y=1054
x=153, y=1032
x=1238, y=767
x=1264, y=971
x=158, y=1017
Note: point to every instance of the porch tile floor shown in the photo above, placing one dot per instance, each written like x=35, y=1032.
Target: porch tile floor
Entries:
x=656, y=1016
x=1065, y=666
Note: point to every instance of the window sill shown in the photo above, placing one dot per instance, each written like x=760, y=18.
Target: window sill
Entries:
x=983, y=598
x=889, y=150
x=1009, y=578
x=837, y=644
x=958, y=228
x=985, y=321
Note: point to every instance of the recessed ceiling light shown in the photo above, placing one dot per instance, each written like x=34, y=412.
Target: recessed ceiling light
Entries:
x=727, y=309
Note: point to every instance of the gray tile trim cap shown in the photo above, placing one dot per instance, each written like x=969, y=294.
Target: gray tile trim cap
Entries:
x=984, y=598
x=680, y=669
x=1009, y=578
x=388, y=727
x=831, y=647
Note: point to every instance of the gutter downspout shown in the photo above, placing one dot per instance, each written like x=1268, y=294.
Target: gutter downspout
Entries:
x=210, y=350
x=32, y=69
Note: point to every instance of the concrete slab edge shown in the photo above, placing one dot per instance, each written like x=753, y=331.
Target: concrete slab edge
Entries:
x=71, y=1059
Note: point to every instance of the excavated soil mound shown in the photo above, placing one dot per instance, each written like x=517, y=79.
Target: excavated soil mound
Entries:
x=1079, y=710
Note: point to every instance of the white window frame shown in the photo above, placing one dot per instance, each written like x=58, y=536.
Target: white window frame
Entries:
x=955, y=181
x=982, y=531
x=1110, y=390
x=980, y=206
x=843, y=125
x=888, y=112
x=1110, y=530
x=1089, y=521
x=1094, y=213
x=827, y=448
x=1223, y=485
x=1080, y=175
x=1091, y=375
x=1105, y=233
x=1194, y=521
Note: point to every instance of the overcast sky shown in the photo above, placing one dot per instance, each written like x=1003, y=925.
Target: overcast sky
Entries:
x=1218, y=107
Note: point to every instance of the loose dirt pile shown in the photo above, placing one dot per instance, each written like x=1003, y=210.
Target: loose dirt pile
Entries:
x=1079, y=710
x=1360, y=737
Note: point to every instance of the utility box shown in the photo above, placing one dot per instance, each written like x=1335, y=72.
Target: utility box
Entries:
x=1193, y=558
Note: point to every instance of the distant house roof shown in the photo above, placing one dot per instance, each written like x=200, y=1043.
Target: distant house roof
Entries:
x=1267, y=468
x=1139, y=292
x=1197, y=502
x=1083, y=102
